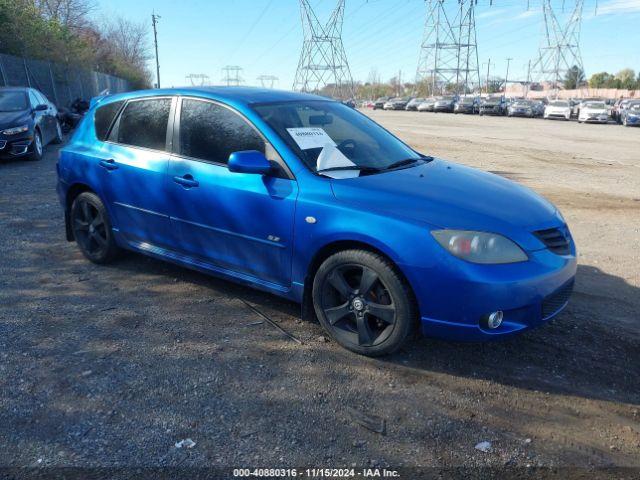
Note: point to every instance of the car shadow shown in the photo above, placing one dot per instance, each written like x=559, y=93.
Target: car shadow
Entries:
x=577, y=353
x=591, y=350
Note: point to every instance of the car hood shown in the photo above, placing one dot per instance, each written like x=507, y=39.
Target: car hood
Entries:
x=448, y=195
x=13, y=119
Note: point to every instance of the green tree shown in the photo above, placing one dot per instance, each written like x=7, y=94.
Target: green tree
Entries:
x=627, y=78
x=601, y=80
x=574, y=78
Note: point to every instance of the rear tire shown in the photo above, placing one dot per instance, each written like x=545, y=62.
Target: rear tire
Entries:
x=363, y=302
x=92, y=229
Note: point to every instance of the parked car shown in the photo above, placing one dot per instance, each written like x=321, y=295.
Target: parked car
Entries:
x=379, y=103
x=413, y=104
x=467, y=105
x=350, y=103
x=597, y=112
x=619, y=108
x=427, y=105
x=444, y=104
x=631, y=114
x=271, y=189
x=493, y=106
x=28, y=123
x=558, y=109
x=538, y=107
x=398, y=103
x=521, y=108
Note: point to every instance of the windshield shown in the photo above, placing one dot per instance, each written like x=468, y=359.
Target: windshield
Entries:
x=466, y=101
x=598, y=105
x=521, y=103
x=634, y=106
x=331, y=135
x=559, y=104
x=12, y=101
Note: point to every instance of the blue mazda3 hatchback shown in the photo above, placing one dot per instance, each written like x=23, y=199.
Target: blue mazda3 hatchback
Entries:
x=309, y=199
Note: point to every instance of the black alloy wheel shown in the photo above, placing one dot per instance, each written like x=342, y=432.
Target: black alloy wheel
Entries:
x=363, y=302
x=92, y=228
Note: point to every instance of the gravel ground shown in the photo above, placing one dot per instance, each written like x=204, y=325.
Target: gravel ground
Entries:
x=111, y=366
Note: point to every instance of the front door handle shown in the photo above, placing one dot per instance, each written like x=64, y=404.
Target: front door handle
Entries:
x=109, y=164
x=186, y=181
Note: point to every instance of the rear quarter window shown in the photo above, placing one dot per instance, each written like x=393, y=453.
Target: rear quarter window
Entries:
x=104, y=118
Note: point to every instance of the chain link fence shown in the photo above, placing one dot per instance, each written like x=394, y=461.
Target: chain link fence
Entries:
x=61, y=84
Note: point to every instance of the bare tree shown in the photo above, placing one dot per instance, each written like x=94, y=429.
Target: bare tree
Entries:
x=129, y=40
x=70, y=13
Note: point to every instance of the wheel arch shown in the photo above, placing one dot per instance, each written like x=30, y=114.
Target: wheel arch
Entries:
x=331, y=248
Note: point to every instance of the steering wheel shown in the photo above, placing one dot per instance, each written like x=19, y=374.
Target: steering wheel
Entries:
x=348, y=144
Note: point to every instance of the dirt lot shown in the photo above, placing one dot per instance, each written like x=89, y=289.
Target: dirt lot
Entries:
x=111, y=366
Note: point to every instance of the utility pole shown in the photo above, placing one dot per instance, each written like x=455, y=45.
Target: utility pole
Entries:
x=154, y=21
x=526, y=94
x=506, y=77
x=488, y=69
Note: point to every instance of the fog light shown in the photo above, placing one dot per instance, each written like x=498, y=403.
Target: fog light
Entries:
x=494, y=320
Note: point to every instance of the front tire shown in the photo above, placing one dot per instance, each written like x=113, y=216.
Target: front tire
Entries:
x=92, y=229
x=37, y=149
x=58, y=138
x=363, y=302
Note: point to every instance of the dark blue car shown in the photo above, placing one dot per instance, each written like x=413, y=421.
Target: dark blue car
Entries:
x=309, y=199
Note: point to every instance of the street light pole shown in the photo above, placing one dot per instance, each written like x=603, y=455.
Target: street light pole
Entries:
x=154, y=21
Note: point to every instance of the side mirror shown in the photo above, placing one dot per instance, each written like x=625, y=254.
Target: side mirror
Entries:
x=249, y=161
x=42, y=107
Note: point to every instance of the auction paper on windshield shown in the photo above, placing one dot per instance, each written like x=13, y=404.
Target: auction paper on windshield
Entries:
x=329, y=157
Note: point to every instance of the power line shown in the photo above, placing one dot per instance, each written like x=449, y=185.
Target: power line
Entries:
x=323, y=61
x=268, y=81
x=231, y=75
x=560, y=49
x=449, y=49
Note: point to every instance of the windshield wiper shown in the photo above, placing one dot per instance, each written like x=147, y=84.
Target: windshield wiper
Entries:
x=350, y=167
x=405, y=162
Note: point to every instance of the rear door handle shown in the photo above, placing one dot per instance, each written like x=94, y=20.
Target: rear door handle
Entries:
x=186, y=181
x=109, y=164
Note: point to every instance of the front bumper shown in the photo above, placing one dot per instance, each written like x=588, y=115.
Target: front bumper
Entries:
x=595, y=119
x=491, y=110
x=12, y=146
x=454, y=302
x=633, y=120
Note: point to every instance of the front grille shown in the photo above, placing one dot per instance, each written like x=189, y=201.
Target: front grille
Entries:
x=557, y=300
x=558, y=240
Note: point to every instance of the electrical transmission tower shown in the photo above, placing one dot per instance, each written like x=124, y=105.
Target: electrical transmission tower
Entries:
x=449, y=49
x=198, y=79
x=560, y=49
x=231, y=75
x=268, y=81
x=323, y=61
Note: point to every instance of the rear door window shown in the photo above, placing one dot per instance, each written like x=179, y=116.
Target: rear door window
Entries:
x=143, y=123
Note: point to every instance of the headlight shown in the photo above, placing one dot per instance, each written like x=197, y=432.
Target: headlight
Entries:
x=14, y=130
x=480, y=247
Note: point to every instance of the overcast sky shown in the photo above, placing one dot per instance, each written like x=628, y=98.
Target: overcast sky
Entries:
x=265, y=36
